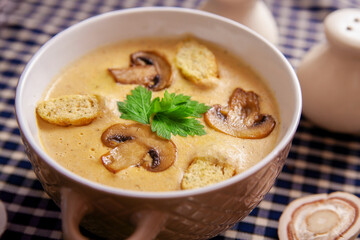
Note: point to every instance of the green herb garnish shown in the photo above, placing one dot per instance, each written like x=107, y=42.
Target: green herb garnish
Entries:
x=173, y=114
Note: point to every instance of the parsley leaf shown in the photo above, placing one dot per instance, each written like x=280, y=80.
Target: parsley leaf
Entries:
x=171, y=115
x=164, y=126
x=137, y=106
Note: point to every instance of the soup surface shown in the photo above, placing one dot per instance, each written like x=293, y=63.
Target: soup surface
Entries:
x=79, y=148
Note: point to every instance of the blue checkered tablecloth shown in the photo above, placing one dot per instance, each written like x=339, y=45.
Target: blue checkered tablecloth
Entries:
x=319, y=161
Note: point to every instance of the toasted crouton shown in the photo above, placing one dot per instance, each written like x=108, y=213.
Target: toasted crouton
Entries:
x=203, y=172
x=68, y=110
x=197, y=63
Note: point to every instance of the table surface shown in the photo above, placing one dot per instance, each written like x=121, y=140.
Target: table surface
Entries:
x=319, y=161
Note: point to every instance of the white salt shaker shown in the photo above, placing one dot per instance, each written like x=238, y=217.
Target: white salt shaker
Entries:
x=251, y=13
x=329, y=75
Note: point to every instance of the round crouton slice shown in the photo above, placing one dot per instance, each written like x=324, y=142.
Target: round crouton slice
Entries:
x=69, y=110
x=203, y=172
x=197, y=63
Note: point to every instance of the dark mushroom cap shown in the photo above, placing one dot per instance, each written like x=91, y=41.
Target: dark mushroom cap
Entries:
x=147, y=68
x=162, y=66
x=241, y=118
x=136, y=144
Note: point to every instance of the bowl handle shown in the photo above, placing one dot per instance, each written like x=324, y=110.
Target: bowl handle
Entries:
x=148, y=224
x=74, y=207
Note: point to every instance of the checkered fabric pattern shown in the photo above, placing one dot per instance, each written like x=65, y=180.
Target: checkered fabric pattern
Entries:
x=319, y=161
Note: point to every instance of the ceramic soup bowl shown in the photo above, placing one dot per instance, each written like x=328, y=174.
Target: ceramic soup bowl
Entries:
x=190, y=214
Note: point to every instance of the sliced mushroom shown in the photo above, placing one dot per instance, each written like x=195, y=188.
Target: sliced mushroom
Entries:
x=136, y=144
x=242, y=117
x=321, y=217
x=147, y=68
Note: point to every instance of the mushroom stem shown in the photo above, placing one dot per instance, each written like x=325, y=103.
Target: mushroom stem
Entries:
x=322, y=221
x=124, y=156
x=134, y=75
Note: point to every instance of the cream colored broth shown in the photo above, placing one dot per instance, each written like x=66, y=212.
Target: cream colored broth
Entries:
x=79, y=148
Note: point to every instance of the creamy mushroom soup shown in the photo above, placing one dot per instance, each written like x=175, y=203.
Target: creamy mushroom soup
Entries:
x=80, y=148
